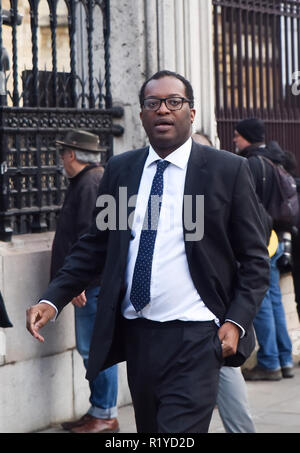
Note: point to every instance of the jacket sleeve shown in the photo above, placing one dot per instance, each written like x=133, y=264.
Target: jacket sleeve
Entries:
x=87, y=195
x=250, y=249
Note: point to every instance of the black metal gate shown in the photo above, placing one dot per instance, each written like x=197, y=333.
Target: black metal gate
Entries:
x=257, y=67
x=49, y=104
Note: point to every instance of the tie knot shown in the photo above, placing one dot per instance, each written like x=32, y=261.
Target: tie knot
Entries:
x=161, y=166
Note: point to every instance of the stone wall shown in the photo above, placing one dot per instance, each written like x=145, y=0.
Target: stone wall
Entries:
x=41, y=383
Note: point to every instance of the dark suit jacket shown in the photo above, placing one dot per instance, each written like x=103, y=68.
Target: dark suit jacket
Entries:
x=229, y=266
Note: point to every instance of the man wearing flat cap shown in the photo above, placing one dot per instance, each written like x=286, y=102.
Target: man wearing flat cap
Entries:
x=274, y=357
x=81, y=154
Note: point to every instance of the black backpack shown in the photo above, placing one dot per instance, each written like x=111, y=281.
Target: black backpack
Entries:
x=284, y=205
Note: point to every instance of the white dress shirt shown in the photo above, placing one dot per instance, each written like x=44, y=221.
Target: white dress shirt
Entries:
x=172, y=291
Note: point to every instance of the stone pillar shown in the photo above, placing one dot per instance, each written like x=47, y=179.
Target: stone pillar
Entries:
x=160, y=34
x=128, y=68
x=151, y=41
x=207, y=74
x=179, y=37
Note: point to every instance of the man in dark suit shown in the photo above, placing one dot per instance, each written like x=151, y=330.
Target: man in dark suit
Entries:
x=174, y=303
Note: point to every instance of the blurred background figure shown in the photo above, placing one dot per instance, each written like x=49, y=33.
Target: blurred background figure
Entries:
x=274, y=357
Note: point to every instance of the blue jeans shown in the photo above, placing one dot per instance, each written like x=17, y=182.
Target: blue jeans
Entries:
x=275, y=346
x=104, y=389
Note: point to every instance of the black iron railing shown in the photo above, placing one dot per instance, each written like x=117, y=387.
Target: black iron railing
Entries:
x=44, y=107
x=257, y=59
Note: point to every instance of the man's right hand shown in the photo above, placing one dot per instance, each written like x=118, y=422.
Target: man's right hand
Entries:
x=37, y=316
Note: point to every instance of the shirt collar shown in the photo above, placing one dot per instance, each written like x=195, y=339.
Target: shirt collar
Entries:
x=179, y=157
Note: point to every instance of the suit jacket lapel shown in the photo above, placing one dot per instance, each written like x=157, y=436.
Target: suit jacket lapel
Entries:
x=131, y=179
x=195, y=184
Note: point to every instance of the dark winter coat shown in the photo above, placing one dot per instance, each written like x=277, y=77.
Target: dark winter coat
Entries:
x=273, y=152
x=76, y=214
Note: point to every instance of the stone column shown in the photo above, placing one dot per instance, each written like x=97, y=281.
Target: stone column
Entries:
x=179, y=37
x=151, y=41
x=207, y=74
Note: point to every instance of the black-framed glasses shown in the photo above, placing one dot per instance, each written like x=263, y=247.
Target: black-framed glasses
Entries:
x=172, y=103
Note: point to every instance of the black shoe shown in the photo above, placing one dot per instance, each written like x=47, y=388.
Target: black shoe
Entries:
x=287, y=372
x=261, y=374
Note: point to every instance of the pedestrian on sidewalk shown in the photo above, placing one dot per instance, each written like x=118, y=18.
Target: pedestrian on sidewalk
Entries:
x=173, y=302
x=81, y=154
x=291, y=166
x=274, y=356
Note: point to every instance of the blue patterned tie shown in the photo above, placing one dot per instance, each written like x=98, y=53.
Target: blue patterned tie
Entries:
x=140, y=290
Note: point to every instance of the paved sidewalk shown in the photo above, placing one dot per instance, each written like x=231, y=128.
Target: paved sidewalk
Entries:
x=275, y=408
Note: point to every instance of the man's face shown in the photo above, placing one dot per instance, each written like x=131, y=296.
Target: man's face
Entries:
x=66, y=158
x=239, y=141
x=166, y=129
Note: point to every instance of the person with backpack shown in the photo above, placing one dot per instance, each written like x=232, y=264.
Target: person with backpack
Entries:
x=291, y=165
x=296, y=257
x=274, y=356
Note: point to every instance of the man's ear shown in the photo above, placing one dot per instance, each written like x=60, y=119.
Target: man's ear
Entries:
x=72, y=154
x=193, y=114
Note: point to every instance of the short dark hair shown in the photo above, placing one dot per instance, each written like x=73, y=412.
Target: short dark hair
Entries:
x=159, y=75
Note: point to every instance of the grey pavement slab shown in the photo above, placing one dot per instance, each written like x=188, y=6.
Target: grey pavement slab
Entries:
x=275, y=408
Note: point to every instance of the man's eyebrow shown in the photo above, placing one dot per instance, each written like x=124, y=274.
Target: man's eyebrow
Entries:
x=168, y=96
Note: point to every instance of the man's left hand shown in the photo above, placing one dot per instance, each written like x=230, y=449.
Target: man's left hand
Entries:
x=229, y=335
x=79, y=301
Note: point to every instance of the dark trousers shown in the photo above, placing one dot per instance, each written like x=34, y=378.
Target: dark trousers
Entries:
x=173, y=371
